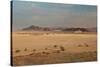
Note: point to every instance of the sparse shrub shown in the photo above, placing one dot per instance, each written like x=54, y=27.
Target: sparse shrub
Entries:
x=25, y=49
x=43, y=52
x=31, y=54
x=17, y=51
x=55, y=46
x=46, y=48
x=34, y=50
x=79, y=45
x=58, y=51
x=62, y=48
x=86, y=45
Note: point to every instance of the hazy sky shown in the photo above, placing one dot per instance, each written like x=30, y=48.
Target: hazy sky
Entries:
x=26, y=13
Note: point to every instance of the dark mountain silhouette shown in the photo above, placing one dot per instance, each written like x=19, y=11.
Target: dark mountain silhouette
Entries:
x=38, y=28
x=32, y=27
x=76, y=29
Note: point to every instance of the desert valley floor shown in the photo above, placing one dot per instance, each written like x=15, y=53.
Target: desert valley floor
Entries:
x=30, y=48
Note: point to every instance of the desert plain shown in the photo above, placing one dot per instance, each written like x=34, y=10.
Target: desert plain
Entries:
x=41, y=47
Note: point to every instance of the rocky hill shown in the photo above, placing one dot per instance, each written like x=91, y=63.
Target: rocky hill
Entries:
x=38, y=28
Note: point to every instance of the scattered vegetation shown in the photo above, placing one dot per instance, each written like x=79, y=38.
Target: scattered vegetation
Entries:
x=58, y=51
x=17, y=51
x=34, y=50
x=79, y=45
x=46, y=48
x=43, y=52
x=86, y=44
x=55, y=46
x=25, y=49
x=38, y=58
x=62, y=48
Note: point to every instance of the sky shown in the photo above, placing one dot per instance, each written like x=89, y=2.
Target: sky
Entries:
x=27, y=13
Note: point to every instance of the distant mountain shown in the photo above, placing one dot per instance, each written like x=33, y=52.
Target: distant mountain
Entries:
x=38, y=28
x=32, y=27
x=92, y=29
x=75, y=29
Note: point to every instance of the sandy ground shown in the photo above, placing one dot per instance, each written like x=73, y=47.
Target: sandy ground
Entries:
x=24, y=44
x=41, y=40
